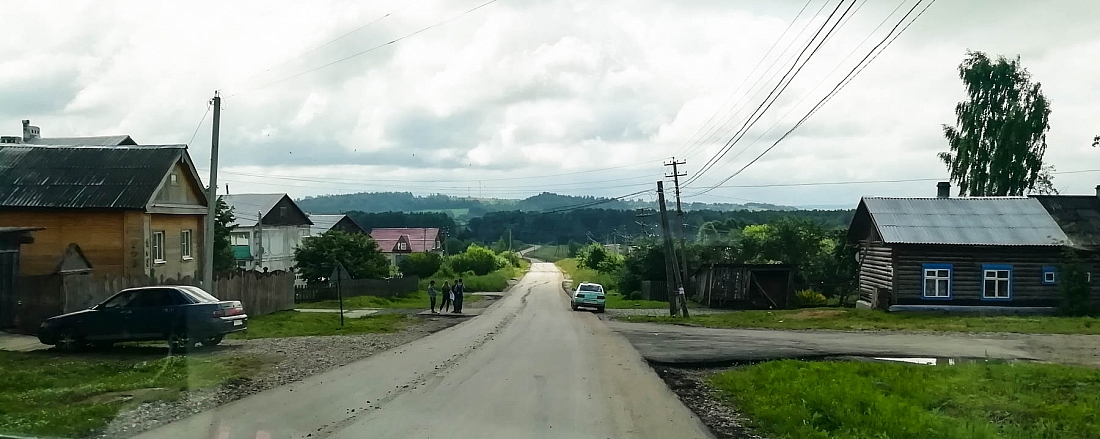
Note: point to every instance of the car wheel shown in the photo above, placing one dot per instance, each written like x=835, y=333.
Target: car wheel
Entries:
x=599, y=310
x=212, y=341
x=574, y=306
x=69, y=341
x=180, y=341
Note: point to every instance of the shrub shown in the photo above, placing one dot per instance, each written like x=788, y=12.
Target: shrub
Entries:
x=513, y=258
x=634, y=295
x=421, y=264
x=1073, y=283
x=477, y=259
x=810, y=298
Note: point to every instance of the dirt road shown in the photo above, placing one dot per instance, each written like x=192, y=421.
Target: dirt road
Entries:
x=528, y=367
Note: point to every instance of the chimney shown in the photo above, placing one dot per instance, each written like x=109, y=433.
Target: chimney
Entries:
x=943, y=190
x=30, y=132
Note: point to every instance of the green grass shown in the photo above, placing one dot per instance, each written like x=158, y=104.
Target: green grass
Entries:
x=615, y=300
x=47, y=394
x=550, y=253
x=411, y=301
x=299, y=324
x=861, y=320
x=861, y=400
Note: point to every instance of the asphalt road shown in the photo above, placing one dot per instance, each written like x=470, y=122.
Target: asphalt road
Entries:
x=526, y=368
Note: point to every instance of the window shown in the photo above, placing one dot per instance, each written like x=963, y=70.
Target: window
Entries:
x=403, y=246
x=239, y=238
x=937, y=281
x=185, y=244
x=120, y=300
x=1049, y=276
x=173, y=179
x=998, y=282
x=153, y=298
x=282, y=211
x=158, y=247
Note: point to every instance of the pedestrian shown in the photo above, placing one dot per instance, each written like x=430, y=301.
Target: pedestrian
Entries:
x=448, y=297
x=458, y=289
x=431, y=295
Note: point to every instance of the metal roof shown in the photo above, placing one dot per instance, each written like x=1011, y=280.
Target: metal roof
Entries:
x=1015, y=221
x=117, y=140
x=1077, y=215
x=322, y=223
x=245, y=206
x=103, y=177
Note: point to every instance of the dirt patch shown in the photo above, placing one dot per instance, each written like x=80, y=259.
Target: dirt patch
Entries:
x=815, y=314
x=136, y=396
x=691, y=386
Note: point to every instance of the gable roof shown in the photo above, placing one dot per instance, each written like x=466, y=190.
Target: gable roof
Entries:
x=323, y=223
x=117, y=140
x=420, y=239
x=245, y=206
x=1077, y=215
x=1008, y=221
x=94, y=177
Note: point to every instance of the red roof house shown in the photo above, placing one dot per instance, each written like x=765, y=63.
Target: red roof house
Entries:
x=397, y=242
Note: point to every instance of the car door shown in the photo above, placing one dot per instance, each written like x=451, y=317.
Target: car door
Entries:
x=150, y=315
x=108, y=320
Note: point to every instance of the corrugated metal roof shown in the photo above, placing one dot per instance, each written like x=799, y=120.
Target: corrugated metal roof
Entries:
x=245, y=206
x=117, y=140
x=420, y=239
x=967, y=221
x=1078, y=215
x=322, y=223
x=104, y=177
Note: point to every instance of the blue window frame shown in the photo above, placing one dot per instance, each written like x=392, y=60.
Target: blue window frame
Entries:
x=1050, y=276
x=996, y=282
x=937, y=280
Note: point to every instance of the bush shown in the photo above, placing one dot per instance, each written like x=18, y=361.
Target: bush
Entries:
x=810, y=298
x=1073, y=283
x=513, y=258
x=421, y=264
x=634, y=295
x=477, y=259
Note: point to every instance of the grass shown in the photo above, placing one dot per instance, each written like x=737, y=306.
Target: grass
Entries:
x=615, y=300
x=550, y=253
x=46, y=394
x=411, y=301
x=862, y=400
x=861, y=320
x=300, y=324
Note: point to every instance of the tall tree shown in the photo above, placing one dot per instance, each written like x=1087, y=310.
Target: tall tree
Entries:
x=317, y=256
x=223, y=250
x=998, y=142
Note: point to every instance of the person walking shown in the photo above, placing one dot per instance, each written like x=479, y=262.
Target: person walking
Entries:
x=448, y=297
x=431, y=295
x=459, y=288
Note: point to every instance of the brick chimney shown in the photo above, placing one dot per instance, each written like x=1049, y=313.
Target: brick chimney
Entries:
x=943, y=189
x=30, y=132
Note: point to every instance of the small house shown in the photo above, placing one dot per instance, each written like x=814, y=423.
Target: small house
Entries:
x=342, y=223
x=941, y=253
x=398, y=243
x=266, y=231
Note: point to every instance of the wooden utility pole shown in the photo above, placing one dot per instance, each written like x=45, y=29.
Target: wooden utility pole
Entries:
x=676, y=174
x=673, y=282
x=211, y=201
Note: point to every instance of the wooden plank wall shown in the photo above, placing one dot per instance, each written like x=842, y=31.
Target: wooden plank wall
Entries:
x=173, y=226
x=99, y=234
x=967, y=281
x=380, y=287
x=877, y=271
x=36, y=298
x=260, y=293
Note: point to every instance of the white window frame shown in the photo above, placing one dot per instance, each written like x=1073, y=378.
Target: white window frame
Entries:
x=186, y=238
x=936, y=273
x=247, y=238
x=156, y=247
x=403, y=246
x=1001, y=276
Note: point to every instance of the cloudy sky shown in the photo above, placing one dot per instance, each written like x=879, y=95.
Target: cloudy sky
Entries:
x=524, y=96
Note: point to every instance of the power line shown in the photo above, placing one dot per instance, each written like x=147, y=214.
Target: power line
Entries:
x=843, y=82
x=199, y=125
x=364, y=52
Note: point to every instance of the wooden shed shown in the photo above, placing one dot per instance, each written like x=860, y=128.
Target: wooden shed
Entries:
x=956, y=252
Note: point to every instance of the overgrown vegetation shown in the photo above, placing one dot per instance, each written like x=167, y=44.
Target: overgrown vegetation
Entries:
x=862, y=400
x=317, y=256
x=421, y=264
x=223, y=249
x=299, y=324
x=867, y=320
x=1073, y=283
x=42, y=393
x=615, y=300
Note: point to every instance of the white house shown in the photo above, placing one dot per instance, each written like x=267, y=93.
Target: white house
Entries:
x=270, y=242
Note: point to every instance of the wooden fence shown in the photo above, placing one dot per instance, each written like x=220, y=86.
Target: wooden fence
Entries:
x=358, y=287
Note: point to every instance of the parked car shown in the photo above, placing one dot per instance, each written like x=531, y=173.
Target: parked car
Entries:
x=589, y=295
x=182, y=315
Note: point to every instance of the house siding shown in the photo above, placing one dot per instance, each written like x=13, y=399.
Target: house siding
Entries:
x=1027, y=288
x=876, y=272
x=100, y=234
x=173, y=226
x=185, y=190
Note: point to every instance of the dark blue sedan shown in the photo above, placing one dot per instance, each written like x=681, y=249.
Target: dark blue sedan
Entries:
x=183, y=315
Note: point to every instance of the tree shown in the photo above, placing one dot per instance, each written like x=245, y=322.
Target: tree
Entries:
x=223, y=248
x=1044, y=185
x=591, y=256
x=480, y=260
x=317, y=256
x=423, y=265
x=998, y=142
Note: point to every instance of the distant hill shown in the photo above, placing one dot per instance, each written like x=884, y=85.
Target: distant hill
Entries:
x=466, y=207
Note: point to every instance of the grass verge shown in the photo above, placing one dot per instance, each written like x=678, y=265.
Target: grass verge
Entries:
x=859, y=400
x=862, y=320
x=47, y=394
x=300, y=324
x=411, y=301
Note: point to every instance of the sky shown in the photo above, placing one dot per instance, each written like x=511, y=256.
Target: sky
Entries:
x=519, y=97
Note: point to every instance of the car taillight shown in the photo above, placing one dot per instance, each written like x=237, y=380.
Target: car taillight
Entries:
x=232, y=310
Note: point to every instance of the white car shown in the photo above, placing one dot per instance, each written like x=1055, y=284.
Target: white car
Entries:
x=589, y=295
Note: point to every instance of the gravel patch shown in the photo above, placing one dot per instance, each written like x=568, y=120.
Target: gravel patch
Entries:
x=300, y=357
x=691, y=386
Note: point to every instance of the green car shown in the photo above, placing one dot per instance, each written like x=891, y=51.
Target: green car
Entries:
x=589, y=295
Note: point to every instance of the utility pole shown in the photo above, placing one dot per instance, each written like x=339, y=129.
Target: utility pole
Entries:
x=676, y=174
x=260, y=237
x=211, y=201
x=670, y=255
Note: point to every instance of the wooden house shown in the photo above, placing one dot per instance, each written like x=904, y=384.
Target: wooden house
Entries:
x=922, y=253
x=267, y=230
x=133, y=210
x=398, y=243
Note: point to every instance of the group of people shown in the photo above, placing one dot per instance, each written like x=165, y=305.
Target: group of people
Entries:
x=452, y=296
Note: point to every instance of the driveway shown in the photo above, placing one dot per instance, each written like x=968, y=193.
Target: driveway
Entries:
x=527, y=367
x=686, y=345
